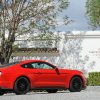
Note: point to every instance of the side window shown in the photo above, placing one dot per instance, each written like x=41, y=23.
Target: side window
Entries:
x=45, y=66
x=27, y=65
x=38, y=65
x=30, y=65
x=34, y=65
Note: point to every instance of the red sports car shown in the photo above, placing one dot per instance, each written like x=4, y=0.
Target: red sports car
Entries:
x=20, y=77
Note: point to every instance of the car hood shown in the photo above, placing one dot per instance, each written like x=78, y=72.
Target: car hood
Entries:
x=70, y=71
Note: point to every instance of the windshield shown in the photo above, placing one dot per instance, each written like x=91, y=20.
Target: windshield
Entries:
x=9, y=64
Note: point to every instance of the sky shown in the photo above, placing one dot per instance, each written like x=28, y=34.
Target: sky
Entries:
x=76, y=12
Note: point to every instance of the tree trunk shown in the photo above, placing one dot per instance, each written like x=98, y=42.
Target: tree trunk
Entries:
x=6, y=51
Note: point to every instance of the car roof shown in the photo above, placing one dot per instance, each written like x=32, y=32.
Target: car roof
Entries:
x=28, y=61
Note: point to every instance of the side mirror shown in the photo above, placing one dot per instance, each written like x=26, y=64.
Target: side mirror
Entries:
x=57, y=70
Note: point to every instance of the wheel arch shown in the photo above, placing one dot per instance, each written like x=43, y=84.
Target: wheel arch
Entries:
x=73, y=77
x=20, y=77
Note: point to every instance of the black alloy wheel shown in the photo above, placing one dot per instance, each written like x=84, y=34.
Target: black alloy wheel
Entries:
x=76, y=84
x=21, y=86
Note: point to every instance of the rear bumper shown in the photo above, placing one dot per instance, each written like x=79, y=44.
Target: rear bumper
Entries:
x=4, y=85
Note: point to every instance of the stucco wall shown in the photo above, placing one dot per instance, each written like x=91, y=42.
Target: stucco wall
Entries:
x=66, y=58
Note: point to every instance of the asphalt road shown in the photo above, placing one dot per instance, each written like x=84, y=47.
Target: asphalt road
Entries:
x=91, y=93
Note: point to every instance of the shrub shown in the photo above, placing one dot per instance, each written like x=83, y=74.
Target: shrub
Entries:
x=94, y=79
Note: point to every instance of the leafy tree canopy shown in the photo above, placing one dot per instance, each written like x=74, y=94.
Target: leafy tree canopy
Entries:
x=20, y=17
x=93, y=12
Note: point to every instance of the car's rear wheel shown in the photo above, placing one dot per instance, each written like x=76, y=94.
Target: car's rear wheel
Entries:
x=52, y=90
x=21, y=86
x=76, y=84
x=2, y=92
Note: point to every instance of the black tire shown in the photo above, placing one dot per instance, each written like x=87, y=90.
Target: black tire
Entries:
x=2, y=92
x=76, y=84
x=21, y=86
x=52, y=90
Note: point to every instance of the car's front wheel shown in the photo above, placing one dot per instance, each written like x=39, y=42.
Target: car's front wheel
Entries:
x=76, y=84
x=21, y=86
x=52, y=90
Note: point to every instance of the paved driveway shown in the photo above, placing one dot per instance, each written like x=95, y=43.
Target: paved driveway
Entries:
x=91, y=93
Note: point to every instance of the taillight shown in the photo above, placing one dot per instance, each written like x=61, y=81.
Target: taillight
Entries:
x=0, y=73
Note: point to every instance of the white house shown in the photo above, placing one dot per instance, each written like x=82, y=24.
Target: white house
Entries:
x=75, y=50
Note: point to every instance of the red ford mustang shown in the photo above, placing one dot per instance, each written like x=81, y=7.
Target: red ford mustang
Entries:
x=20, y=77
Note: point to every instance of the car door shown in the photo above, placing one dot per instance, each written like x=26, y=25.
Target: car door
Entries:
x=47, y=75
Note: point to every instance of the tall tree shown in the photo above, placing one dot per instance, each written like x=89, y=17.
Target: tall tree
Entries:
x=93, y=12
x=19, y=17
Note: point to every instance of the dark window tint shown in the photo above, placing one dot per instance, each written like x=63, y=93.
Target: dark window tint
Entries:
x=44, y=66
x=28, y=65
x=38, y=65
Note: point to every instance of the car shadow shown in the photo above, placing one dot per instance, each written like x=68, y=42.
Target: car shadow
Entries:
x=51, y=93
x=44, y=92
x=33, y=93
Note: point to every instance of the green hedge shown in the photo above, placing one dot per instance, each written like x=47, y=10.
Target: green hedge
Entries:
x=94, y=79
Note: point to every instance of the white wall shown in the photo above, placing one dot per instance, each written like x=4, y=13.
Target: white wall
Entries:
x=71, y=55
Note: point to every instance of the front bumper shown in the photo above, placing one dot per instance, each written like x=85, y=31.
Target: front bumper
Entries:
x=84, y=87
x=84, y=82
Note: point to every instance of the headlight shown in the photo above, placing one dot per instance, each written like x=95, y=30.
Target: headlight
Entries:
x=0, y=73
